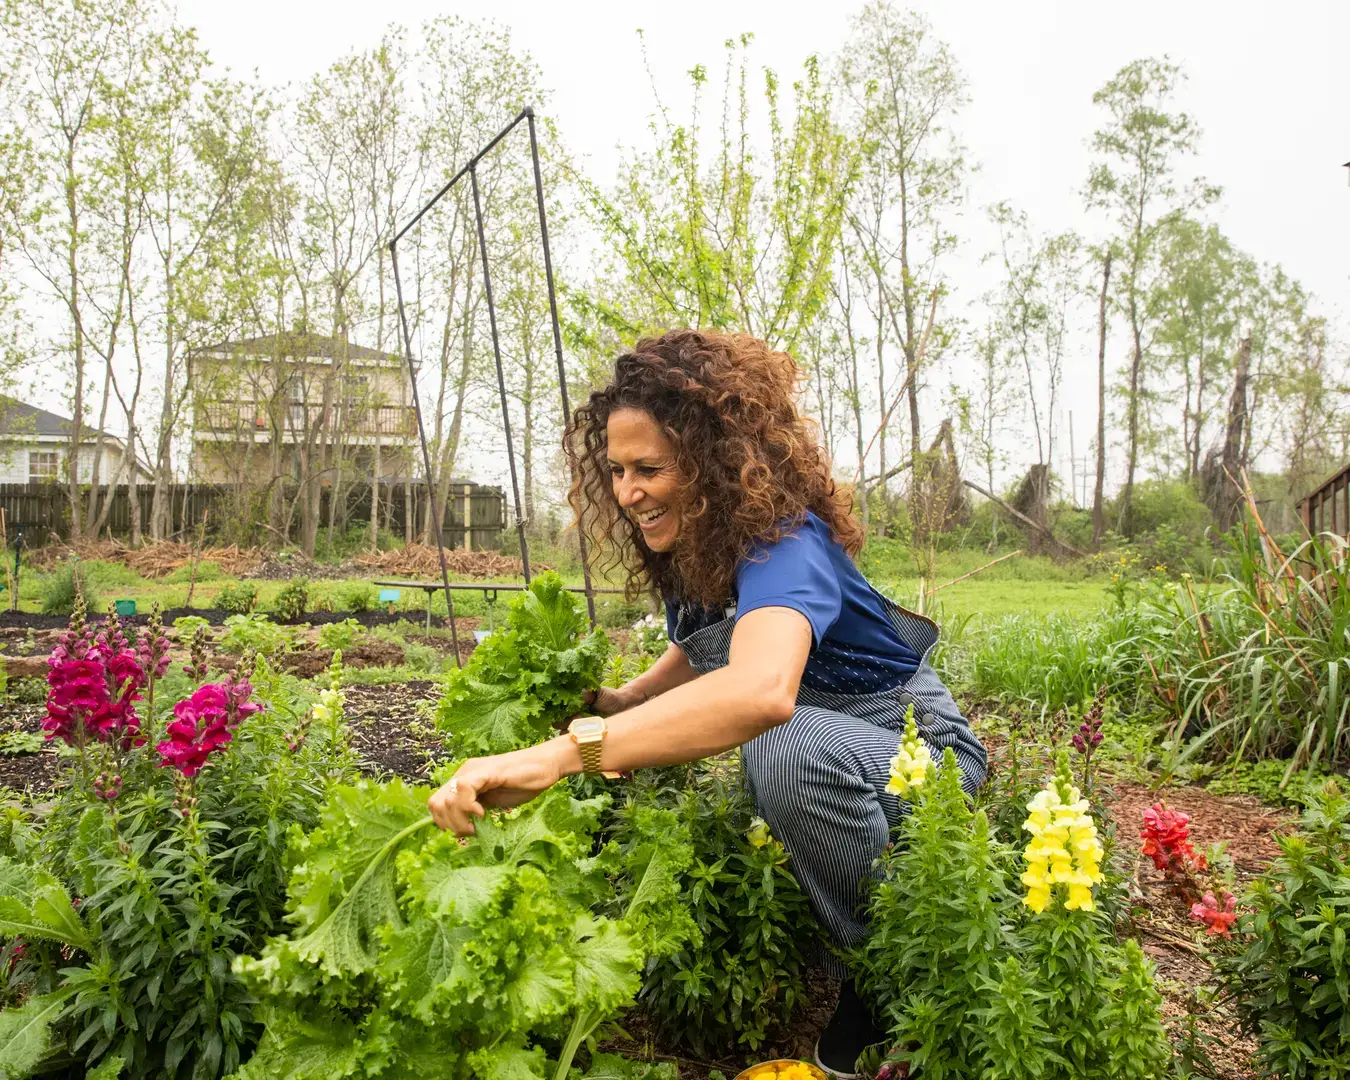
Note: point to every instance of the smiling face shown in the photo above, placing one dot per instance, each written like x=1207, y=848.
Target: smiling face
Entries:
x=647, y=481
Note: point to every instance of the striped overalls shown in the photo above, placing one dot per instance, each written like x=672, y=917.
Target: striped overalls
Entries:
x=819, y=780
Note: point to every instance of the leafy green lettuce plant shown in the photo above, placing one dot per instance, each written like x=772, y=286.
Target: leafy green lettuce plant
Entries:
x=527, y=676
x=413, y=954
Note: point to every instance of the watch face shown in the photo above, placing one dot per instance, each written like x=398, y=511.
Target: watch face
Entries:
x=587, y=725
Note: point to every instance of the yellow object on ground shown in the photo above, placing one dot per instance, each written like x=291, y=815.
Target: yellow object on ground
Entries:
x=782, y=1069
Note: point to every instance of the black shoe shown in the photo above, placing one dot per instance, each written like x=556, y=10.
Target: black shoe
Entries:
x=850, y=1031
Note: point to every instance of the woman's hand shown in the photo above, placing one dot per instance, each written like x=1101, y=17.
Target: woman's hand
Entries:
x=501, y=781
x=608, y=700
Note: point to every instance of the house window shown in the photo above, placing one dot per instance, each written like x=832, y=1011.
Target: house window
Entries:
x=42, y=465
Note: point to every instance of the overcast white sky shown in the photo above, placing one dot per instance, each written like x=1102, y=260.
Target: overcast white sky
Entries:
x=1269, y=84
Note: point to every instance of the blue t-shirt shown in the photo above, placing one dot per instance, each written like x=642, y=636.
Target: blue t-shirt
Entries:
x=855, y=646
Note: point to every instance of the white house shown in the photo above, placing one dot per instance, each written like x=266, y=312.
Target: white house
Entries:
x=34, y=444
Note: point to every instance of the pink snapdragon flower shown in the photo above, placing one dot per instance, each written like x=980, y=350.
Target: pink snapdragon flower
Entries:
x=152, y=652
x=94, y=683
x=1217, y=916
x=203, y=724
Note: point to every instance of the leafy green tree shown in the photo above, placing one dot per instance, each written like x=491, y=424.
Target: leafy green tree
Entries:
x=1133, y=180
x=704, y=234
x=905, y=90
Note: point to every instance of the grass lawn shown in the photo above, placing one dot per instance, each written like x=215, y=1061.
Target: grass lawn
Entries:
x=976, y=598
x=1019, y=585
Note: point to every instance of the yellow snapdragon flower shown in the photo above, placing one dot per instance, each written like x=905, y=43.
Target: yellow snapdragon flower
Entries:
x=758, y=834
x=1064, y=848
x=329, y=705
x=912, y=762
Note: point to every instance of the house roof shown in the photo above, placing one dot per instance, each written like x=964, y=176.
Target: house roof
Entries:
x=19, y=418
x=302, y=345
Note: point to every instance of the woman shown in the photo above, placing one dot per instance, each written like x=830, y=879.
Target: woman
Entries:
x=694, y=470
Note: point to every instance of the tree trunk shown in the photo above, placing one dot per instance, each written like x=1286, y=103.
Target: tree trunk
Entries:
x=375, y=496
x=93, y=519
x=133, y=485
x=1229, y=484
x=77, y=327
x=1098, y=510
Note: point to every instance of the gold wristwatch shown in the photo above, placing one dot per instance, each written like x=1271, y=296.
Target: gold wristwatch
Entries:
x=588, y=732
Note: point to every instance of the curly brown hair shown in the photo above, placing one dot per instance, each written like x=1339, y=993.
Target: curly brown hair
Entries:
x=751, y=462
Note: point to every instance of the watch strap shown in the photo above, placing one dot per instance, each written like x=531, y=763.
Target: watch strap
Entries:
x=590, y=754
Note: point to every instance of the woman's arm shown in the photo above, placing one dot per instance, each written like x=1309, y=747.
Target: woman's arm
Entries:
x=670, y=669
x=703, y=716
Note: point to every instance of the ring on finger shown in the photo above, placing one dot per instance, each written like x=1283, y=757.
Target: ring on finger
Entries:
x=452, y=788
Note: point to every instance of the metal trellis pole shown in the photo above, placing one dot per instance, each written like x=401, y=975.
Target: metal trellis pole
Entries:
x=426, y=454
x=501, y=377
x=557, y=345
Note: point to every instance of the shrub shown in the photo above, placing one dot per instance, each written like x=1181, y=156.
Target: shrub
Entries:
x=359, y=597
x=59, y=589
x=292, y=602
x=741, y=975
x=1167, y=503
x=255, y=632
x=1291, y=981
x=239, y=599
x=155, y=864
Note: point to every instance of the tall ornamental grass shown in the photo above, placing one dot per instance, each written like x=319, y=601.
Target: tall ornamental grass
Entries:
x=1260, y=669
x=1256, y=668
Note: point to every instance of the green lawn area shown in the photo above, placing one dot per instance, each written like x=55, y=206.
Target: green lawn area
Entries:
x=976, y=598
x=1019, y=585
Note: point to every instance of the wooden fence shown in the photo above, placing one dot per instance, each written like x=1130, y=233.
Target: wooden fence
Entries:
x=1328, y=508
x=474, y=515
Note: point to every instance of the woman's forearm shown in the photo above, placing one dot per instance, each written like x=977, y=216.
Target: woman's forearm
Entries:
x=669, y=670
x=699, y=718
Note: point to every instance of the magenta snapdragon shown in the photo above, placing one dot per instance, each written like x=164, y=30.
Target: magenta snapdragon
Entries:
x=204, y=722
x=94, y=682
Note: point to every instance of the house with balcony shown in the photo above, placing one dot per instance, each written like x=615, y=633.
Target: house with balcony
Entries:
x=259, y=403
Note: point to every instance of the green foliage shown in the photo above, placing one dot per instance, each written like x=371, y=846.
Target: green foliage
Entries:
x=526, y=676
x=414, y=954
x=239, y=599
x=292, y=602
x=1291, y=978
x=359, y=597
x=256, y=632
x=740, y=974
x=21, y=742
x=58, y=589
x=1052, y=662
x=340, y=635
x=173, y=878
x=1266, y=780
x=207, y=570
x=186, y=625
x=721, y=235
x=973, y=984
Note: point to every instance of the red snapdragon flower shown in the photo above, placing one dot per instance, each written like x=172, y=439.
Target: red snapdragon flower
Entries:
x=1217, y=917
x=203, y=724
x=1167, y=841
